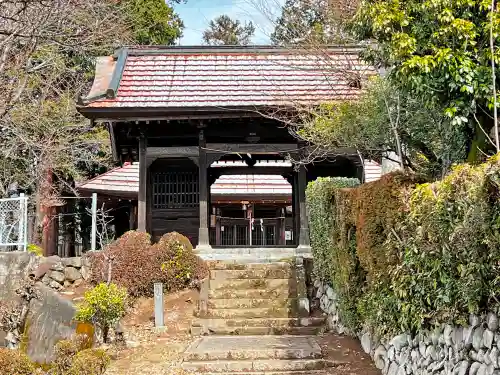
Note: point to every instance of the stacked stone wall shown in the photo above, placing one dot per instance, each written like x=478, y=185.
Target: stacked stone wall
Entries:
x=473, y=349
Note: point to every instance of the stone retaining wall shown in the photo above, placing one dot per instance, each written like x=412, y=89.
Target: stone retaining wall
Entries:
x=63, y=272
x=447, y=350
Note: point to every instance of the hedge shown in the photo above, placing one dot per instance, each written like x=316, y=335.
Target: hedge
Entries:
x=331, y=261
x=320, y=197
x=449, y=248
x=405, y=255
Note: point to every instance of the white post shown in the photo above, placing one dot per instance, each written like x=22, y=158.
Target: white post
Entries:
x=94, y=222
x=20, y=235
x=158, y=299
x=25, y=223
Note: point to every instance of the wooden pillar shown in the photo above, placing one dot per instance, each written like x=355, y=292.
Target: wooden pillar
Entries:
x=217, y=227
x=295, y=209
x=304, y=243
x=131, y=218
x=203, y=236
x=142, y=201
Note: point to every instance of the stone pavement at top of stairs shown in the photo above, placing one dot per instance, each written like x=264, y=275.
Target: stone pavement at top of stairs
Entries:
x=256, y=355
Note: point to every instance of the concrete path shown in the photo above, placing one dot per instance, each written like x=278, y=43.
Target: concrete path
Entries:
x=256, y=355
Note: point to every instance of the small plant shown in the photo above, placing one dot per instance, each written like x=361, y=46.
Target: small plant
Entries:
x=35, y=249
x=103, y=306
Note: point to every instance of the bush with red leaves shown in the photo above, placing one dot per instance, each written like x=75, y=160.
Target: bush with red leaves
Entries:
x=137, y=265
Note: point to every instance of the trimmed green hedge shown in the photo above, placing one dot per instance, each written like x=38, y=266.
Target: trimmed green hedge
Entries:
x=333, y=261
x=449, y=250
x=405, y=256
x=320, y=198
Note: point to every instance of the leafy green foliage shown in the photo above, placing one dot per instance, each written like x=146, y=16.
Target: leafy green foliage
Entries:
x=430, y=252
x=312, y=23
x=383, y=115
x=450, y=249
x=154, y=22
x=335, y=259
x=438, y=50
x=225, y=31
x=320, y=196
x=103, y=305
x=180, y=266
x=35, y=249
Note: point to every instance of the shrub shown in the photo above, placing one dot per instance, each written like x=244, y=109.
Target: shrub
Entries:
x=137, y=265
x=104, y=305
x=379, y=210
x=450, y=252
x=430, y=251
x=334, y=254
x=320, y=197
x=180, y=266
x=89, y=362
x=15, y=362
x=65, y=351
x=131, y=265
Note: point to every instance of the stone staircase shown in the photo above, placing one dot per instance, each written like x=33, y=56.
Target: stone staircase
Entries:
x=254, y=319
x=269, y=355
x=255, y=299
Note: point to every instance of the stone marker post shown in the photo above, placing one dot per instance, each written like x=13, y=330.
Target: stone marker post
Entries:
x=158, y=296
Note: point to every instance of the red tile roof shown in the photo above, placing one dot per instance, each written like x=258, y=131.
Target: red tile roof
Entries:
x=125, y=181
x=225, y=77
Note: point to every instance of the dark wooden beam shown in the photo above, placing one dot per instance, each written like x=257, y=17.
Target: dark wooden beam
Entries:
x=251, y=148
x=251, y=170
x=142, y=204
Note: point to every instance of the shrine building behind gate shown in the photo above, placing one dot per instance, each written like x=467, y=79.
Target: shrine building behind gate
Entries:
x=191, y=115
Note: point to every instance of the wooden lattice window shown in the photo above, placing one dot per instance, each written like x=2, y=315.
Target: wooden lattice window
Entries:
x=175, y=189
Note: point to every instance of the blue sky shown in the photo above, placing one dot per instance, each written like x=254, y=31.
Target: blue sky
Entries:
x=196, y=15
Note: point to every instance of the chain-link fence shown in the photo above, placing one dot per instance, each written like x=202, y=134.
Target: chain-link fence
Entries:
x=13, y=223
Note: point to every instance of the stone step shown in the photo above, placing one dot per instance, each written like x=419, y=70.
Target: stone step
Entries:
x=249, y=313
x=247, y=257
x=278, y=292
x=268, y=272
x=256, y=366
x=263, y=331
x=308, y=372
x=237, y=266
x=269, y=284
x=212, y=348
x=258, y=326
x=261, y=322
x=242, y=303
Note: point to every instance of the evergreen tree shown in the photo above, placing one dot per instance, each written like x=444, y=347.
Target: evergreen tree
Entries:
x=154, y=22
x=313, y=22
x=225, y=31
